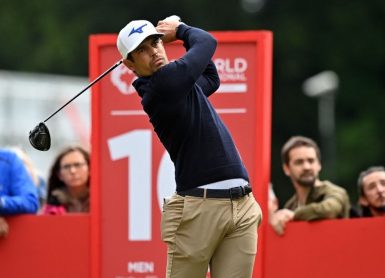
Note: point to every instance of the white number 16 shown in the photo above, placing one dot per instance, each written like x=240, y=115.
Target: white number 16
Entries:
x=136, y=146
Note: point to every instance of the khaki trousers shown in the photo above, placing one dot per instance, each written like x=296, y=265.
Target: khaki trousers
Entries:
x=203, y=232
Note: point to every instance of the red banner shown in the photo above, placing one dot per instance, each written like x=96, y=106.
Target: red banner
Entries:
x=132, y=172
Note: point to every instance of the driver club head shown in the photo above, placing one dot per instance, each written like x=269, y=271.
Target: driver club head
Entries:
x=39, y=137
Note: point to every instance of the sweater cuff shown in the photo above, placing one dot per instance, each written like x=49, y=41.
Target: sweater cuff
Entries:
x=181, y=29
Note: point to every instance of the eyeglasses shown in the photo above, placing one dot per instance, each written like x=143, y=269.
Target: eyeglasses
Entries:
x=76, y=166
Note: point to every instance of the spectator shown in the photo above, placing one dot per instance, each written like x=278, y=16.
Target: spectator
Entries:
x=68, y=182
x=36, y=176
x=313, y=199
x=371, y=188
x=18, y=194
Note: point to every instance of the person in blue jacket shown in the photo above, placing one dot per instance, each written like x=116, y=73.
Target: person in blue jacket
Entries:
x=212, y=219
x=18, y=194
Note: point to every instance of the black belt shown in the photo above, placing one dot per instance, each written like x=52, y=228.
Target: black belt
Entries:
x=232, y=193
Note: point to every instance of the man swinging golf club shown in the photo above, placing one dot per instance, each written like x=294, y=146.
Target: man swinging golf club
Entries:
x=212, y=219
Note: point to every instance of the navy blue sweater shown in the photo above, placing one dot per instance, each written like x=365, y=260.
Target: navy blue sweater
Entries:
x=176, y=101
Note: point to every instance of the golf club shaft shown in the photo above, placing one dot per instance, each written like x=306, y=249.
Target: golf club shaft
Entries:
x=86, y=88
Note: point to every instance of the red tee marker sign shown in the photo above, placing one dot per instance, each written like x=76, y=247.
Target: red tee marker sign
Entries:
x=131, y=171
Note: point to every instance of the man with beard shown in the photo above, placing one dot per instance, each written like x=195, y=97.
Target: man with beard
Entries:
x=371, y=187
x=313, y=199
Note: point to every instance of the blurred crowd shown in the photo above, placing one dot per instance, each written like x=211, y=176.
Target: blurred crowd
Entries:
x=23, y=189
x=316, y=199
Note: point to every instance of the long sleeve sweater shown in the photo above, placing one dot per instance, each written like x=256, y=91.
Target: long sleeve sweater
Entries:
x=176, y=101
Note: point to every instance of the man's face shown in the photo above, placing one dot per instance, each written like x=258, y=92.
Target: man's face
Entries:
x=373, y=186
x=148, y=57
x=303, y=166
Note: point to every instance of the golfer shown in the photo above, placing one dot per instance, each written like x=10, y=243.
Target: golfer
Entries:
x=212, y=219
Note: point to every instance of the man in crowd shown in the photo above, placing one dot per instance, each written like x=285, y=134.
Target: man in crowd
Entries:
x=371, y=188
x=313, y=199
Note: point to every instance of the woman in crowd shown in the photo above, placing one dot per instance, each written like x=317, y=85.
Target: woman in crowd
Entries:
x=68, y=182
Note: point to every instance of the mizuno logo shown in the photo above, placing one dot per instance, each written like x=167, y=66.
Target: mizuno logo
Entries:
x=137, y=30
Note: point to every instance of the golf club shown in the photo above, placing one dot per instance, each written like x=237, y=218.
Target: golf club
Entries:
x=39, y=137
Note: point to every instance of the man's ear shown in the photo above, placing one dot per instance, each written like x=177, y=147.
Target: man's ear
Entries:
x=363, y=201
x=129, y=64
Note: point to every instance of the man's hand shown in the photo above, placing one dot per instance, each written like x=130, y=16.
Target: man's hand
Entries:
x=279, y=219
x=168, y=27
x=4, y=229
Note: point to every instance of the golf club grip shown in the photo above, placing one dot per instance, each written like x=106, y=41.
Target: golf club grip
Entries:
x=86, y=88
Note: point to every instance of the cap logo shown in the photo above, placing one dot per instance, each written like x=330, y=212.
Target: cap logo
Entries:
x=137, y=30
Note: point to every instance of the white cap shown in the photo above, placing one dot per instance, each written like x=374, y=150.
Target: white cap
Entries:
x=133, y=34
x=172, y=18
